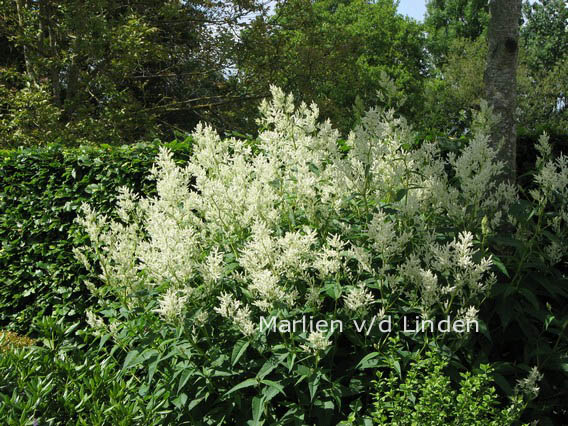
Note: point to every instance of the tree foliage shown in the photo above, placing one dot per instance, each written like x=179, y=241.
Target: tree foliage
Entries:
x=336, y=53
x=456, y=88
x=447, y=20
x=544, y=65
x=458, y=53
x=114, y=72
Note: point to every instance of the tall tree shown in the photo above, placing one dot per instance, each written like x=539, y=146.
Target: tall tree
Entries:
x=543, y=69
x=544, y=33
x=457, y=43
x=335, y=52
x=447, y=20
x=116, y=72
x=501, y=77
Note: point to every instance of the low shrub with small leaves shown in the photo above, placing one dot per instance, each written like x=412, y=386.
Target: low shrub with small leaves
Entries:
x=425, y=396
x=69, y=379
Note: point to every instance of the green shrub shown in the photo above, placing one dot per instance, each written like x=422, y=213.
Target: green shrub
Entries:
x=299, y=224
x=40, y=193
x=71, y=380
x=415, y=389
x=425, y=397
x=294, y=227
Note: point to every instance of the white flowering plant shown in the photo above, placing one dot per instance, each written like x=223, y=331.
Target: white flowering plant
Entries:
x=289, y=226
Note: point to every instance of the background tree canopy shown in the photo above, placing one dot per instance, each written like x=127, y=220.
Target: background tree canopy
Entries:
x=105, y=73
x=544, y=67
x=457, y=45
x=113, y=72
x=335, y=53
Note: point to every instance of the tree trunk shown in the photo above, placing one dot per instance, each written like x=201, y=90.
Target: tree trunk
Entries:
x=48, y=46
x=20, y=7
x=501, y=78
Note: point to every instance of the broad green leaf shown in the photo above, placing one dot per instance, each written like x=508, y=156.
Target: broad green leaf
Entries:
x=238, y=351
x=244, y=384
x=131, y=359
x=364, y=363
x=180, y=401
x=184, y=377
x=274, y=385
x=257, y=410
x=499, y=265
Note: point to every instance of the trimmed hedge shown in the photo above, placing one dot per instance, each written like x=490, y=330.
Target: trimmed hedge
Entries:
x=41, y=191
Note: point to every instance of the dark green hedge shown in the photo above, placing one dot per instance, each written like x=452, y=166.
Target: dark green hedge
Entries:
x=41, y=191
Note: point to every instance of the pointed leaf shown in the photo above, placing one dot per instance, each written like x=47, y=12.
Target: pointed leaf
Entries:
x=245, y=384
x=238, y=351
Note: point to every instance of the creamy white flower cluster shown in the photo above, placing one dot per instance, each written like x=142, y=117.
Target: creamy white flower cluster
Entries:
x=231, y=309
x=529, y=385
x=268, y=224
x=551, y=192
x=358, y=298
x=172, y=305
x=452, y=277
x=316, y=342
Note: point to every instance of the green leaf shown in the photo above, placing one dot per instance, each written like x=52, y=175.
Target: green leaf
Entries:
x=132, y=358
x=257, y=409
x=503, y=383
x=333, y=290
x=274, y=385
x=400, y=194
x=244, y=384
x=291, y=359
x=184, y=377
x=238, y=351
x=548, y=320
x=269, y=392
x=152, y=368
x=396, y=366
x=194, y=403
x=221, y=373
x=270, y=365
x=364, y=363
x=499, y=265
x=180, y=401
x=313, y=388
